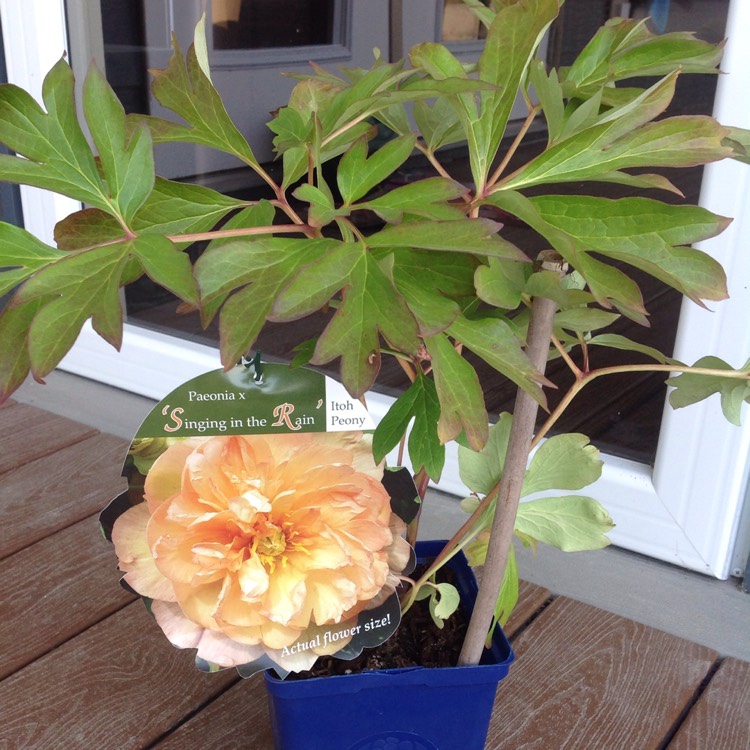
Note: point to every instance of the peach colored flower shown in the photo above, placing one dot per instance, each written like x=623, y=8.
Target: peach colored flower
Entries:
x=249, y=544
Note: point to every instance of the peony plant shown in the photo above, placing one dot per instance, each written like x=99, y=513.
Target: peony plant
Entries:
x=435, y=280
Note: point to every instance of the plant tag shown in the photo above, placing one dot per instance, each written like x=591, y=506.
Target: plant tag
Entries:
x=257, y=526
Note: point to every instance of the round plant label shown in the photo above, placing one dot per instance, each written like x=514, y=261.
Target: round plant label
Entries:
x=257, y=526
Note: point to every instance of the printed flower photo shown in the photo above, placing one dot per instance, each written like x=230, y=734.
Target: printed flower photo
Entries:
x=258, y=550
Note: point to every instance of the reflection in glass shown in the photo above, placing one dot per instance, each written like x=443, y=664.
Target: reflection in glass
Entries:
x=260, y=24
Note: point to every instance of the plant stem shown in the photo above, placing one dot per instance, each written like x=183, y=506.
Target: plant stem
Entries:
x=514, y=146
x=584, y=379
x=509, y=490
x=217, y=234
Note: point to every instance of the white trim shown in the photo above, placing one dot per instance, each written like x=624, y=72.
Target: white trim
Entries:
x=685, y=511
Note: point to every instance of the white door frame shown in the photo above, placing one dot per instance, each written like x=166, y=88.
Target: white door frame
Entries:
x=684, y=510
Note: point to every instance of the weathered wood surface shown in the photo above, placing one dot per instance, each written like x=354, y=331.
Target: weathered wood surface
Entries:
x=84, y=666
x=721, y=717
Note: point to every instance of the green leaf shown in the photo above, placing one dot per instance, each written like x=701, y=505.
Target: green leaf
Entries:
x=21, y=256
x=318, y=281
x=549, y=284
x=550, y=95
x=420, y=403
x=439, y=124
x=563, y=462
x=127, y=159
x=500, y=283
x=444, y=601
x=371, y=306
x=57, y=155
x=167, y=266
x=509, y=591
x=357, y=174
x=672, y=142
x=322, y=211
x=480, y=470
x=570, y=523
x=201, y=48
x=461, y=399
x=86, y=228
x=184, y=88
x=14, y=355
x=74, y=289
x=584, y=319
x=645, y=233
x=477, y=236
x=179, y=207
x=426, y=198
x=615, y=341
x=690, y=387
x=739, y=140
x=511, y=42
x=494, y=341
x=260, y=268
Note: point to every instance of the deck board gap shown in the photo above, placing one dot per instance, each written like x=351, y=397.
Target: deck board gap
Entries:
x=688, y=707
x=532, y=616
x=190, y=715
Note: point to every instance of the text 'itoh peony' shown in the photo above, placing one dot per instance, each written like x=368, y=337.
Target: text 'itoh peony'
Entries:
x=248, y=545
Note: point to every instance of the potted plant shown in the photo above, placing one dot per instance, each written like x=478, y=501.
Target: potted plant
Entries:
x=434, y=280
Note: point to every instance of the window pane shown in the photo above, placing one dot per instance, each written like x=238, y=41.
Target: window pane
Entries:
x=260, y=24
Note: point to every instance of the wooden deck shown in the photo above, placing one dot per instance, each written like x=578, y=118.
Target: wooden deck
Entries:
x=85, y=668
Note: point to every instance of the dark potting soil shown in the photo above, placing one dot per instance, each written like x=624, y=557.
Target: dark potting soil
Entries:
x=417, y=642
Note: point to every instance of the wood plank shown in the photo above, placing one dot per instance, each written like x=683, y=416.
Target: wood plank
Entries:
x=118, y=685
x=531, y=598
x=51, y=493
x=721, y=717
x=236, y=720
x=53, y=590
x=28, y=433
x=585, y=678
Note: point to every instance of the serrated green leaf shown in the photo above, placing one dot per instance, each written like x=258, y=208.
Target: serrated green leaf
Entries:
x=461, y=399
x=495, y=342
x=690, y=387
x=184, y=88
x=371, y=306
x=481, y=470
x=357, y=174
x=562, y=462
x=571, y=523
x=21, y=256
x=127, y=159
x=57, y=156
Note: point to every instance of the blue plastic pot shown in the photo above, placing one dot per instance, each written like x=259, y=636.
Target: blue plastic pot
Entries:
x=413, y=708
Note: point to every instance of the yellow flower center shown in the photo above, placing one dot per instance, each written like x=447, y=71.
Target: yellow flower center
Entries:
x=270, y=546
